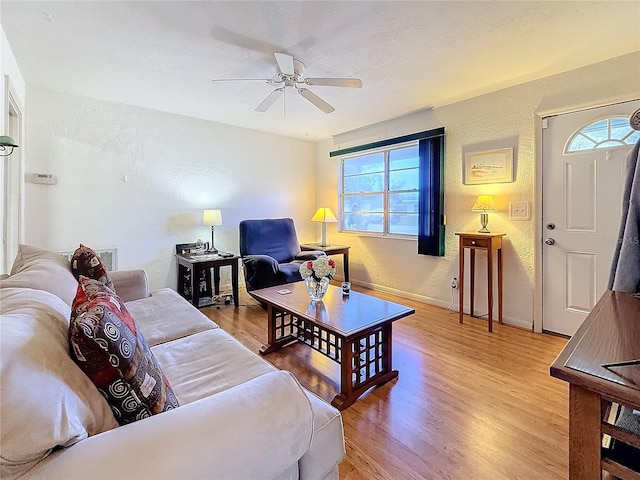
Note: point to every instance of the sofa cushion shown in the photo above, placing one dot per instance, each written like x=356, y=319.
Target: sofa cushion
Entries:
x=207, y=363
x=41, y=269
x=213, y=361
x=165, y=316
x=87, y=262
x=46, y=400
x=110, y=349
x=257, y=430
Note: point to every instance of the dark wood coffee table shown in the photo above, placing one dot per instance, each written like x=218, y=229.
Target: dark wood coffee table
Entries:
x=353, y=330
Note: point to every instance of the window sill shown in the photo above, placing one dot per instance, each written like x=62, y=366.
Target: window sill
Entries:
x=379, y=235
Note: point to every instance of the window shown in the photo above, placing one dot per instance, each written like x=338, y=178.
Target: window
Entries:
x=606, y=133
x=395, y=188
x=380, y=191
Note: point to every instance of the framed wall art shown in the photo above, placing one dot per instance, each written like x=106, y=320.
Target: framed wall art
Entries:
x=491, y=166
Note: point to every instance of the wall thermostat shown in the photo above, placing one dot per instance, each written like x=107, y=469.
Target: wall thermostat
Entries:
x=44, y=178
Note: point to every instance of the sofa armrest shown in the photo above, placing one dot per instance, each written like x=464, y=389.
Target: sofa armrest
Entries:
x=260, y=271
x=256, y=430
x=130, y=284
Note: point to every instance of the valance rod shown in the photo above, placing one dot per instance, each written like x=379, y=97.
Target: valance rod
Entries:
x=436, y=132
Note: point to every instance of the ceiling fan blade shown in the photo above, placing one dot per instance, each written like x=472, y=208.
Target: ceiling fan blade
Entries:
x=316, y=100
x=285, y=63
x=271, y=98
x=335, y=82
x=268, y=80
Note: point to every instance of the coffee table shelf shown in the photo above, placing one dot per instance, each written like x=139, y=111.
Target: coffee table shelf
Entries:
x=353, y=330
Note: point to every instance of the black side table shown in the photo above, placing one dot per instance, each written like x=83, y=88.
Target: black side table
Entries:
x=197, y=269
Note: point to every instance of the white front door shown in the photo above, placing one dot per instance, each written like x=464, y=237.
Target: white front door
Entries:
x=583, y=177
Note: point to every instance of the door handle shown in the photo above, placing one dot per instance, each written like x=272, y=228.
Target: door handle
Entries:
x=549, y=241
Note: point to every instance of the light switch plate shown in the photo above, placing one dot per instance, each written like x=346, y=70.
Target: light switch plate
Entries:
x=519, y=211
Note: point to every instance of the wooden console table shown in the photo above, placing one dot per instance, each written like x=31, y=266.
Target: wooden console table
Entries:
x=490, y=243
x=610, y=333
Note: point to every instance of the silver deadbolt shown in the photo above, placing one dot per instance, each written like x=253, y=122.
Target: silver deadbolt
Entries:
x=550, y=241
x=551, y=226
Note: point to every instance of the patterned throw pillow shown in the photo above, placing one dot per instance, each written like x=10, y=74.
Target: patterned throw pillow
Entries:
x=87, y=262
x=107, y=345
x=85, y=292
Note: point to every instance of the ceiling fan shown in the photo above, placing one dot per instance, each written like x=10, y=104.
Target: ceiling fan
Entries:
x=290, y=73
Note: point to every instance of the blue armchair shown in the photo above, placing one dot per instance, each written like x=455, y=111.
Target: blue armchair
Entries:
x=271, y=253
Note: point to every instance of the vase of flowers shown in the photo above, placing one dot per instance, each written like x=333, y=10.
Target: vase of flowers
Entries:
x=316, y=274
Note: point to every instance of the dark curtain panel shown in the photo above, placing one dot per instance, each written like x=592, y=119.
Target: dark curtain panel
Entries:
x=431, y=202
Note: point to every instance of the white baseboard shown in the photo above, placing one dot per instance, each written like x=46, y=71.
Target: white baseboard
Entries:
x=516, y=322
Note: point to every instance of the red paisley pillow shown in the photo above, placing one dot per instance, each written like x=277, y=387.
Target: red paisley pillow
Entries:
x=87, y=262
x=106, y=344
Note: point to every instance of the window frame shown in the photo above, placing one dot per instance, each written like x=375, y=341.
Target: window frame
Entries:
x=385, y=192
x=432, y=219
x=596, y=143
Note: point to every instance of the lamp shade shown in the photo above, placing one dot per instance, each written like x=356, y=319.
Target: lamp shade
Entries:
x=484, y=203
x=324, y=214
x=212, y=217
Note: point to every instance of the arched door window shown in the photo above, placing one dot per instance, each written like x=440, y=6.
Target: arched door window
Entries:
x=606, y=133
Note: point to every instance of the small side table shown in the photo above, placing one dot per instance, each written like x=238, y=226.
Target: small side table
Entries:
x=196, y=264
x=490, y=243
x=332, y=250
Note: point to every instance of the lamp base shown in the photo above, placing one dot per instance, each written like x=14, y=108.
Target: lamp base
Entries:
x=323, y=239
x=212, y=249
x=484, y=219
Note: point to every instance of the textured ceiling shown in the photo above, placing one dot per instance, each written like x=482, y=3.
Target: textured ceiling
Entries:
x=409, y=55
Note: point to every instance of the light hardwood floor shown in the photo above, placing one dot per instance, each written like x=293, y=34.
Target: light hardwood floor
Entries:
x=467, y=405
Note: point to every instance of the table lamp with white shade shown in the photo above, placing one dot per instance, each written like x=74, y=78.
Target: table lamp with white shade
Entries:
x=484, y=204
x=324, y=215
x=212, y=218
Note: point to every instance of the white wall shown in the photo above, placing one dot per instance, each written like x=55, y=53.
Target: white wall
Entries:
x=174, y=167
x=8, y=66
x=177, y=166
x=502, y=119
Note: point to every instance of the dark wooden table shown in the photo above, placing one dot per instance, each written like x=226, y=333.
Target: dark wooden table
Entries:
x=199, y=263
x=332, y=250
x=353, y=330
x=610, y=333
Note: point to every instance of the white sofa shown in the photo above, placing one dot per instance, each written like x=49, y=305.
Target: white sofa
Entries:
x=239, y=417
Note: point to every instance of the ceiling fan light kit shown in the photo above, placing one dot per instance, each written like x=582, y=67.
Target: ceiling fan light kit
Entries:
x=290, y=73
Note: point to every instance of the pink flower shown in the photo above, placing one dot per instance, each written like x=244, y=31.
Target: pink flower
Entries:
x=310, y=265
x=332, y=263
